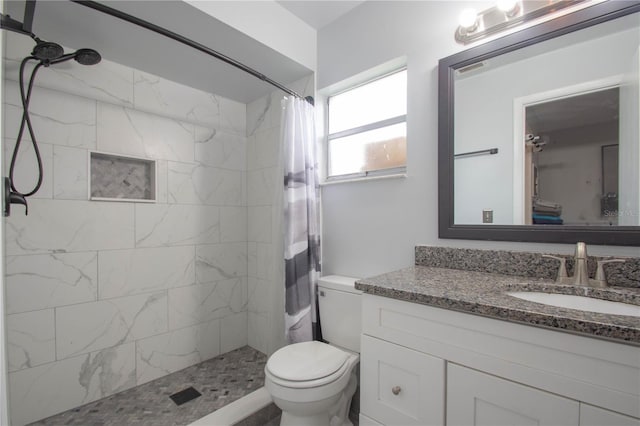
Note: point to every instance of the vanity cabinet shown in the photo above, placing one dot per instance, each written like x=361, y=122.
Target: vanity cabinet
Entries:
x=475, y=398
x=594, y=416
x=403, y=385
x=454, y=368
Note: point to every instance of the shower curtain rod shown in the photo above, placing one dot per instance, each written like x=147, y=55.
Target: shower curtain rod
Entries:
x=181, y=39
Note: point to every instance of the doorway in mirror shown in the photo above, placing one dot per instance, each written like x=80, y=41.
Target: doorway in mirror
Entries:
x=571, y=163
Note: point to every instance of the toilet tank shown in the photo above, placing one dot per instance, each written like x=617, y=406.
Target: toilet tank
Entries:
x=340, y=311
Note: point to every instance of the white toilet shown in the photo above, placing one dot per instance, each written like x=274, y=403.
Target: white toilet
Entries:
x=313, y=382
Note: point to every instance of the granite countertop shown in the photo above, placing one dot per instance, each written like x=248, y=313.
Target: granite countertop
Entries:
x=484, y=294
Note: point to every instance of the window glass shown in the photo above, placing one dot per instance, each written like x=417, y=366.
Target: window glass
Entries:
x=381, y=99
x=379, y=149
x=367, y=127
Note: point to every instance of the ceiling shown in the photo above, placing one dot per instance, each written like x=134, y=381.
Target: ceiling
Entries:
x=76, y=26
x=319, y=14
x=576, y=111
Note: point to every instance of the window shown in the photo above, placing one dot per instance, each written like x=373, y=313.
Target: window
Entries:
x=368, y=129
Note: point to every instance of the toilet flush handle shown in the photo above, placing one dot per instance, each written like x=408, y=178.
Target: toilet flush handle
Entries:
x=396, y=390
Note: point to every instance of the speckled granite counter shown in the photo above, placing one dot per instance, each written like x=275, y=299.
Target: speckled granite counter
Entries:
x=484, y=294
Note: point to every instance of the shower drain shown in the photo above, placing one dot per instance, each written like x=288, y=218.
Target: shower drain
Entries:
x=185, y=395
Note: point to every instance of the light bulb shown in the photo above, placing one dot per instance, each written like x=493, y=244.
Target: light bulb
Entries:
x=468, y=18
x=509, y=7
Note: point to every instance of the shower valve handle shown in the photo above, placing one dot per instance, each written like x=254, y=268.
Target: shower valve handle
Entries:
x=16, y=198
x=12, y=197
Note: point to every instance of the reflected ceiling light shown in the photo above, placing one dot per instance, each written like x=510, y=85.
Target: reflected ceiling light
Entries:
x=505, y=15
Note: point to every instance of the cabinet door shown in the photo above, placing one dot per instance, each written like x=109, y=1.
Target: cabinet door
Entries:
x=367, y=421
x=594, y=416
x=400, y=386
x=479, y=399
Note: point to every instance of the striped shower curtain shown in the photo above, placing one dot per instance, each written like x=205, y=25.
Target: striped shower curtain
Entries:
x=301, y=220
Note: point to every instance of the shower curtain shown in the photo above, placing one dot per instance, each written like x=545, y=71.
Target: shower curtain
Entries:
x=301, y=220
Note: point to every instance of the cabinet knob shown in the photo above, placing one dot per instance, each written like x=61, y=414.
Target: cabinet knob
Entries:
x=396, y=390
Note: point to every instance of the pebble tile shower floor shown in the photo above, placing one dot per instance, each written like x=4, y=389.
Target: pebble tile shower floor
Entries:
x=220, y=380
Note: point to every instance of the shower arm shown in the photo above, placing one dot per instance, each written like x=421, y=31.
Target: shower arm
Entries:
x=24, y=28
x=186, y=41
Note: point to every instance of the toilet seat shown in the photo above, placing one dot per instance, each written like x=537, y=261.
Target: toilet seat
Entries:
x=308, y=365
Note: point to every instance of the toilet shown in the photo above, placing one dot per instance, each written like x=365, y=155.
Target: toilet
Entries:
x=313, y=382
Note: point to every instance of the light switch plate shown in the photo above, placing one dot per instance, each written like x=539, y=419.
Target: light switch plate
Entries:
x=487, y=216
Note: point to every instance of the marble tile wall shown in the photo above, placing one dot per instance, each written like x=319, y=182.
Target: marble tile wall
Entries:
x=103, y=296
x=264, y=217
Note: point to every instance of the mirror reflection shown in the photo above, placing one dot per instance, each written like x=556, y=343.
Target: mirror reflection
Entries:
x=571, y=160
x=549, y=134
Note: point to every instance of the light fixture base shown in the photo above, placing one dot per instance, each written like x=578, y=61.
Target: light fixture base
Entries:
x=494, y=20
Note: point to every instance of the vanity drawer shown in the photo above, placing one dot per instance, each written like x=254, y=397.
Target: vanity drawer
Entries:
x=400, y=385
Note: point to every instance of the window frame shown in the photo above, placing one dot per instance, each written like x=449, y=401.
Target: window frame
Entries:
x=371, y=174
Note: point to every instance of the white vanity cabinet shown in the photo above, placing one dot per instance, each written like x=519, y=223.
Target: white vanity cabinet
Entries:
x=475, y=398
x=594, y=416
x=422, y=365
x=403, y=385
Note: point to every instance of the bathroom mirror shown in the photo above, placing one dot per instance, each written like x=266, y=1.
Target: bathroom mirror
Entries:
x=539, y=132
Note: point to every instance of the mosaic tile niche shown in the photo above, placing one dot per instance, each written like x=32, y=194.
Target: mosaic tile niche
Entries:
x=122, y=178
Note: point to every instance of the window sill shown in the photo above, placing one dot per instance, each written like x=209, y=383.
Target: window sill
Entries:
x=363, y=179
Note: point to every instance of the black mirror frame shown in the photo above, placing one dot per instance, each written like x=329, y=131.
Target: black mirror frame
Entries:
x=606, y=235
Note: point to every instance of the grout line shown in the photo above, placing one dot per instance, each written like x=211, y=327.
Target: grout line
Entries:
x=135, y=215
x=55, y=334
x=168, y=318
x=97, y=275
x=133, y=88
x=95, y=130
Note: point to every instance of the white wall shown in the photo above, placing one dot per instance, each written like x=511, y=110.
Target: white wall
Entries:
x=485, y=114
x=372, y=227
x=268, y=22
x=103, y=296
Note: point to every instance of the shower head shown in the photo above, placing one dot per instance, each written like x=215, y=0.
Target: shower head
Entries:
x=82, y=56
x=50, y=53
x=87, y=56
x=47, y=50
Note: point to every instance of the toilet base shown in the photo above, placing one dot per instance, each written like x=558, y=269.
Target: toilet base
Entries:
x=336, y=415
x=289, y=419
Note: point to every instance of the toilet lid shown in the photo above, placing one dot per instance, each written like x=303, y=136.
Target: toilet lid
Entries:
x=306, y=361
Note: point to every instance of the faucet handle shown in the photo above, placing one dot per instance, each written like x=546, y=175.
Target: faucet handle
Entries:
x=601, y=278
x=562, y=270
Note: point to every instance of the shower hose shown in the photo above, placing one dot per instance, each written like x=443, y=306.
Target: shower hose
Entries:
x=25, y=97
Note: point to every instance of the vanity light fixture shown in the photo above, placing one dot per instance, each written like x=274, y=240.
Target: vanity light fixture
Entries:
x=506, y=14
x=508, y=7
x=468, y=20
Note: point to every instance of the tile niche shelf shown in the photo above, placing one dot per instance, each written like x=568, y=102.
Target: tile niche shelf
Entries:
x=115, y=177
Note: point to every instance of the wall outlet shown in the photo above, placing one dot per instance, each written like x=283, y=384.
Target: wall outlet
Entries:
x=487, y=216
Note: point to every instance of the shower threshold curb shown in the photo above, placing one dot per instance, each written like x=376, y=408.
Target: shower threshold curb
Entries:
x=238, y=410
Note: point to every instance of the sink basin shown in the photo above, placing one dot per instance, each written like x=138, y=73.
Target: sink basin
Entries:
x=578, y=302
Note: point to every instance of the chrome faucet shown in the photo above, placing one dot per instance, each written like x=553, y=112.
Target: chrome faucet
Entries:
x=580, y=269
